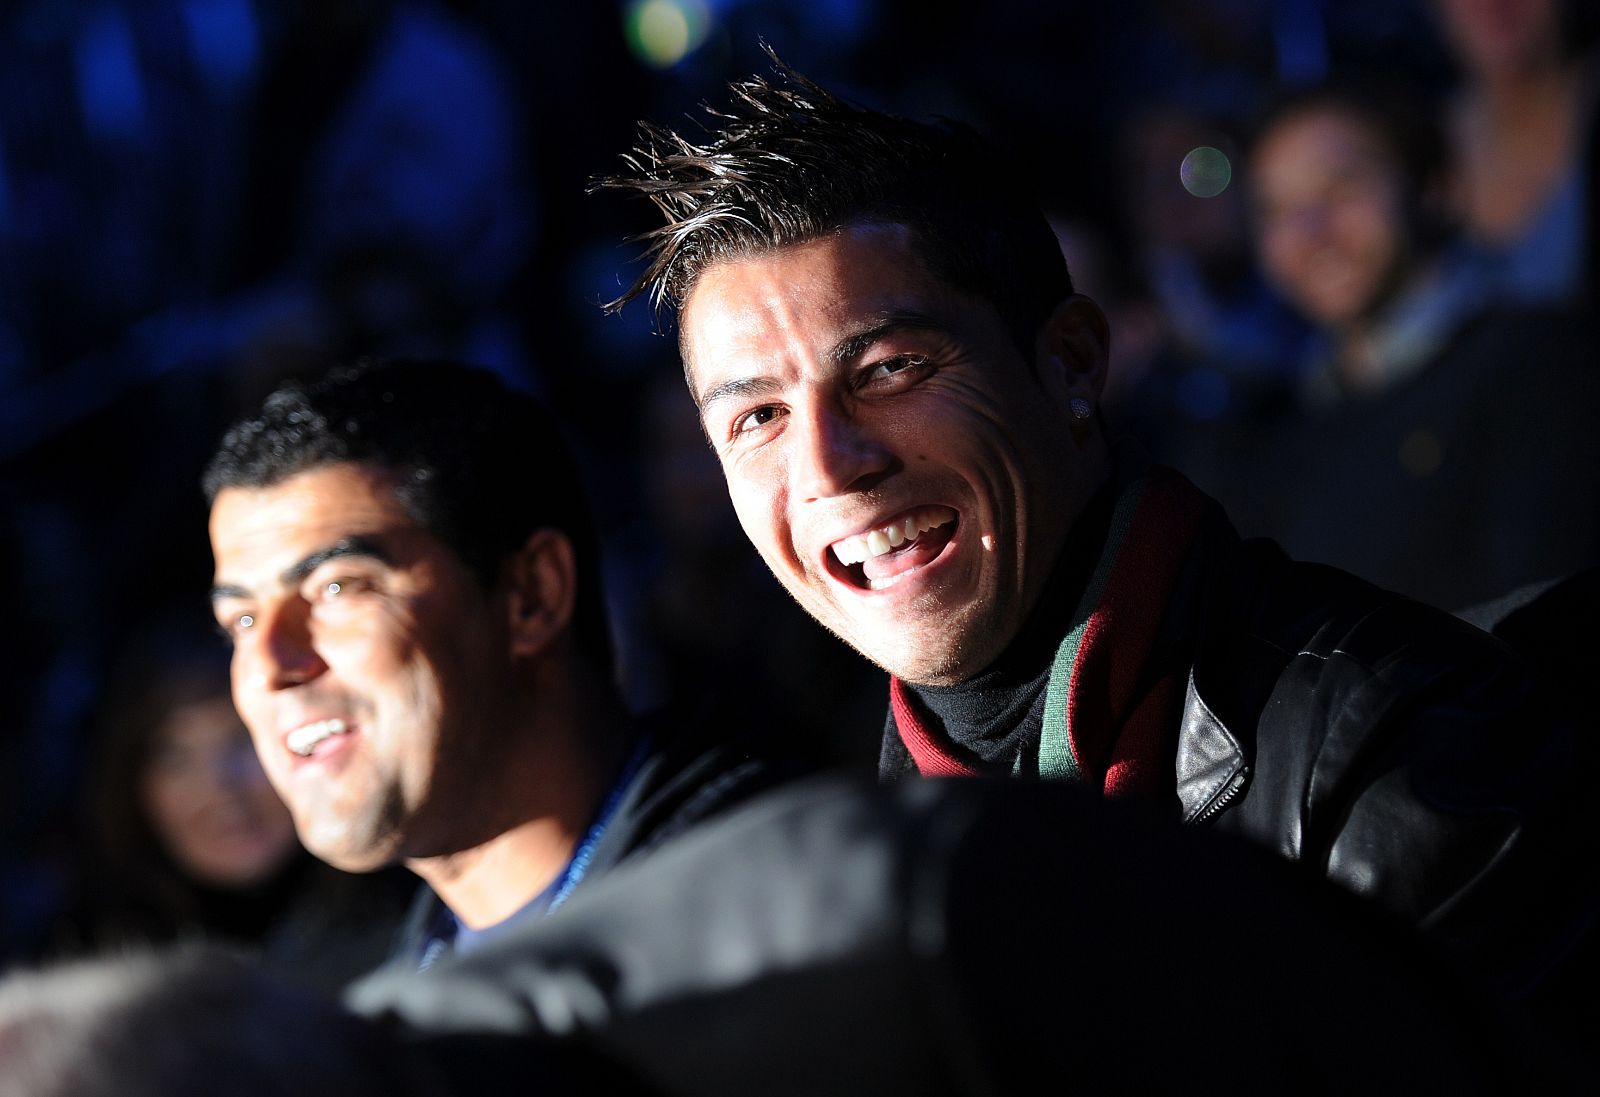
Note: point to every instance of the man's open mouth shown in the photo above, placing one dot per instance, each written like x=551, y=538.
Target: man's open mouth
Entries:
x=877, y=558
x=305, y=739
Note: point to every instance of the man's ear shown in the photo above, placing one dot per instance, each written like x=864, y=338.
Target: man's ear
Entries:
x=1074, y=349
x=541, y=580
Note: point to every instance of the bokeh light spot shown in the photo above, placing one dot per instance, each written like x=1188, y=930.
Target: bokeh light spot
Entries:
x=663, y=32
x=1206, y=172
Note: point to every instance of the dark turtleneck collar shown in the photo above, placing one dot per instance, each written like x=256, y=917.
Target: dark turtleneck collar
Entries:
x=993, y=713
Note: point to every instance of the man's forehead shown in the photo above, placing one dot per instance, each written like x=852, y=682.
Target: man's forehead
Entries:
x=828, y=287
x=257, y=523
x=344, y=480
x=1330, y=136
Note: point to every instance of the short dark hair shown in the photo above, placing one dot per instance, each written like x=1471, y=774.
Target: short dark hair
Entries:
x=481, y=466
x=789, y=164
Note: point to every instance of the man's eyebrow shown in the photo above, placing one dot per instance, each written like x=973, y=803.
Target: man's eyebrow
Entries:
x=743, y=386
x=346, y=546
x=846, y=350
x=292, y=575
x=224, y=590
x=854, y=345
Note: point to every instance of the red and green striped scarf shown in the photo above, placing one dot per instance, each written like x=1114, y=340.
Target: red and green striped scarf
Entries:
x=1104, y=724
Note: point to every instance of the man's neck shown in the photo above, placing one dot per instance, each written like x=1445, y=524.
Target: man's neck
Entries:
x=990, y=713
x=485, y=885
x=555, y=787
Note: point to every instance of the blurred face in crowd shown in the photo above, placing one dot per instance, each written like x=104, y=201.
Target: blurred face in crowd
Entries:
x=904, y=470
x=369, y=664
x=1330, y=218
x=1492, y=37
x=208, y=801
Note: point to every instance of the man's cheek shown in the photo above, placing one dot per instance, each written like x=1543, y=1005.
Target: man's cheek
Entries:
x=755, y=520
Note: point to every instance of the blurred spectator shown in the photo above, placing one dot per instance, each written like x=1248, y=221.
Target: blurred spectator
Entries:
x=204, y=1021
x=1198, y=329
x=195, y=1020
x=1519, y=123
x=1349, y=227
x=1436, y=444
x=187, y=838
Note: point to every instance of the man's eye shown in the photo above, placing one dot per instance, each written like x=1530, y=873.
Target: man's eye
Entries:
x=328, y=590
x=231, y=626
x=902, y=367
x=753, y=420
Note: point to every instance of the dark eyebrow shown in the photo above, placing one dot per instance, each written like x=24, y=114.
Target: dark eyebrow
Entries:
x=853, y=346
x=846, y=350
x=292, y=575
x=744, y=386
x=221, y=591
x=347, y=546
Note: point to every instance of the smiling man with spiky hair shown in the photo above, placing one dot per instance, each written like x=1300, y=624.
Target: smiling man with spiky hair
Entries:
x=888, y=358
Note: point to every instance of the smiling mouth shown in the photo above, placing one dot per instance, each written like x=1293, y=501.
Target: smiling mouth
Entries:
x=879, y=557
x=305, y=739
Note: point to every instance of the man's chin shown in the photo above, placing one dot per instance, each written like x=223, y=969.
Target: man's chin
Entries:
x=346, y=855
x=937, y=660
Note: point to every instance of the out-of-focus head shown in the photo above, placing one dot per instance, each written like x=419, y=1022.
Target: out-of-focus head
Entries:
x=208, y=801
x=178, y=795
x=399, y=548
x=881, y=335
x=196, y=1020
x=1340, y=183
x=1491, y=37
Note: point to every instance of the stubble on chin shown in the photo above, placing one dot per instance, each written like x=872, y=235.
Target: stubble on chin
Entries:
x=365, y=839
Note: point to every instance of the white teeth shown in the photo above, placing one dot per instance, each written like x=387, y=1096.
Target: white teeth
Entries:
x=304, y=739
x=854, y=550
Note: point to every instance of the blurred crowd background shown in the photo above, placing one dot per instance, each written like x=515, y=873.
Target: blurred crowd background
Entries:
x=1345, y=247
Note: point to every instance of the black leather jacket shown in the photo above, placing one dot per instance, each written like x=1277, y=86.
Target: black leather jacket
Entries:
x=1400, y=752
x=1411, y=758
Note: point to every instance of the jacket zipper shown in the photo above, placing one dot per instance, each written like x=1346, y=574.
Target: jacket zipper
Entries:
x=1230, y=792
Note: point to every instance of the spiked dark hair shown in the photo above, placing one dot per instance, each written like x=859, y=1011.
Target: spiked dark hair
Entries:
x=481, y=466
x=787, y=164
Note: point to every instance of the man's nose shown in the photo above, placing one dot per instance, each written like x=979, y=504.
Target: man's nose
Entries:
x=281, y=650
x=835, y=453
